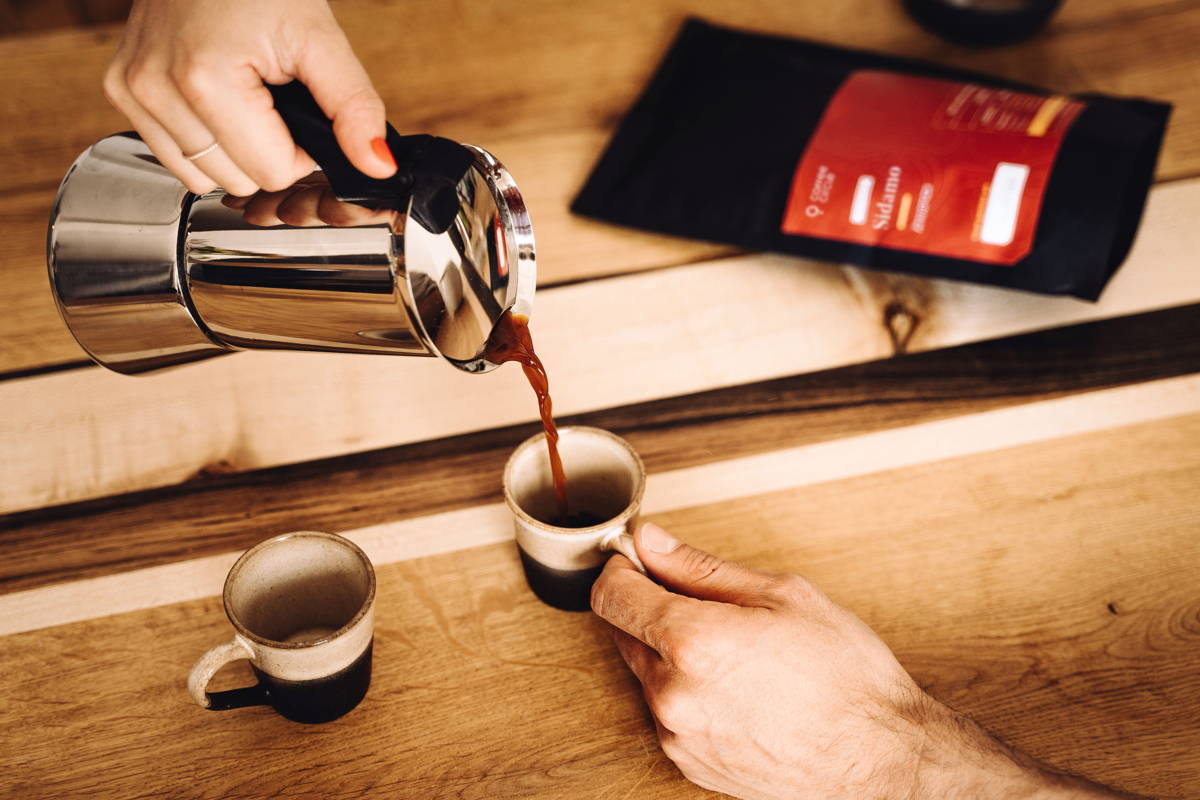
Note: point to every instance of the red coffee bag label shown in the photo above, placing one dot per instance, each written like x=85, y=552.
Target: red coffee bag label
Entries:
x=931, y=166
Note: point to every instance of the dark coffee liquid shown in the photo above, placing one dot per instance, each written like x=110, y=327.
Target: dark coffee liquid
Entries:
x=580, y=519
x=511, y=341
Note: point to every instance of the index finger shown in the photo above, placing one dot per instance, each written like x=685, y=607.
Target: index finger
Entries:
x=629, y=600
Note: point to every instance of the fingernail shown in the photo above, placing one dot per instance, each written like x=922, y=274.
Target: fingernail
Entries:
x=384, y=153
x=656, y=540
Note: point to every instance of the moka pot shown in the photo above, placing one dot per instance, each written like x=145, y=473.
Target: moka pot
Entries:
x=148, y=275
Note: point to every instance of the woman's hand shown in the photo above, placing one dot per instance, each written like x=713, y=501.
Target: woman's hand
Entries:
x=763, y=687
x=188, y=74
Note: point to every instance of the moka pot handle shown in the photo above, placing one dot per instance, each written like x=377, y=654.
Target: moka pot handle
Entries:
x=429, y=168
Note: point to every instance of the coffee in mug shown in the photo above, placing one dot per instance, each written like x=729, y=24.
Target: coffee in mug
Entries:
x=302, y=608
x=562, y=557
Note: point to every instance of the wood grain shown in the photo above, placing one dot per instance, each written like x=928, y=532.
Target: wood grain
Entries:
x=87, y=433
x=444, y=70
x=1049, y=590
x=1040, y=615
x=1037, y=655
x=547, y=111
x=722, y=481
x=218, y=513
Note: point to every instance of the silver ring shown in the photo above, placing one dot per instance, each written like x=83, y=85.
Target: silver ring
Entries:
x=201, y=153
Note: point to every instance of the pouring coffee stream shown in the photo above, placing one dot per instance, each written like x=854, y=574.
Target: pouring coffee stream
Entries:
x=511, y=341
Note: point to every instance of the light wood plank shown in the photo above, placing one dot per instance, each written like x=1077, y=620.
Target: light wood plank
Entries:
x=717, y=482
x=89, y=433
x=1054, y=604
x=546, y=109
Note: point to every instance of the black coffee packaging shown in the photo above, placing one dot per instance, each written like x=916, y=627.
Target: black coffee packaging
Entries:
x=769, y=143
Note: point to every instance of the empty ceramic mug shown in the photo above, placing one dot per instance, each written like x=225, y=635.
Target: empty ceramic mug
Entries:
x=605, y=483
x=303, y=612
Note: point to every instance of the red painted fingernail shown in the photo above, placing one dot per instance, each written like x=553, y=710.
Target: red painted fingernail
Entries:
x=383, y=152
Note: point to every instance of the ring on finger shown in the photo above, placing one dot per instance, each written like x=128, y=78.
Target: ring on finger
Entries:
x=201, y=153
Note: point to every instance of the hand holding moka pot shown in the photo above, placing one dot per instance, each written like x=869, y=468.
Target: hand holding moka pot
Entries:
x=148, y=275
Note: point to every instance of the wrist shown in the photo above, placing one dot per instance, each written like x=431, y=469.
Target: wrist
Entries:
x=957, y=758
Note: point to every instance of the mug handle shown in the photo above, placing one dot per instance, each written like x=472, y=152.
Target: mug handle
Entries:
x=623, y=543
x=209, y=664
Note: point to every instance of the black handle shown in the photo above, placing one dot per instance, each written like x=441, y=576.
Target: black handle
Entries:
x=429, y=168
x=256, y=695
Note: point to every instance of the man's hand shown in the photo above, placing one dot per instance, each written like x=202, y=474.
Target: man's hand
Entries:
x=188, y=74
x=762, y=687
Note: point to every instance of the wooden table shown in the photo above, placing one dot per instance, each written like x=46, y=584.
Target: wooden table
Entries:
x=1003, y=485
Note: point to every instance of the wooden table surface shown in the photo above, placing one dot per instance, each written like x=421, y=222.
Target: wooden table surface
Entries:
x=1003, y=485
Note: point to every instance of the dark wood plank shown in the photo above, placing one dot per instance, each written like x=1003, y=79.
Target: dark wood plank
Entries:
x=10, y=23
x=215, y=513
x=100, y=12
x=34, y=16
x=1057, y=606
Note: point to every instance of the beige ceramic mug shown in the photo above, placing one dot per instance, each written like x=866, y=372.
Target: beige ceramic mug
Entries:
x=303, y=612
x=605, y=483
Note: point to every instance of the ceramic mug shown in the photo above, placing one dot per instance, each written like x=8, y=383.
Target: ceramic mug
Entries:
x=303, y=612
x=605, y=483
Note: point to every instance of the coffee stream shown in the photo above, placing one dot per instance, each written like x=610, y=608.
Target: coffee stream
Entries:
x=511, y=341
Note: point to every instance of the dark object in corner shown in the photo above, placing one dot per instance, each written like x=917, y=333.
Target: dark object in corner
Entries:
x=982, y=22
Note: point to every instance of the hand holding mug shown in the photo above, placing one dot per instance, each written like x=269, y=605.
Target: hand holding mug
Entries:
x=605, y=483
x=762, y=687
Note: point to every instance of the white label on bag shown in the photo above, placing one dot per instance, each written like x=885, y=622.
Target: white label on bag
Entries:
x=1003, y=203
x=862, y=199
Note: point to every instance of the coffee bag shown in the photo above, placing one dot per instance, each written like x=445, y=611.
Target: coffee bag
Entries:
x=778, y=144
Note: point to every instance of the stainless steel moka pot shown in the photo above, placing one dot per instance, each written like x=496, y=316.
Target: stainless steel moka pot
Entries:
x=148, y=275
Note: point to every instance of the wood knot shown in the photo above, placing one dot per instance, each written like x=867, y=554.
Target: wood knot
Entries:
x=214, y=470
x=901, y=323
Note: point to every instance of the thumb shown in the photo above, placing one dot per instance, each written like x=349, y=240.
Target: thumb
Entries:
x=344, y=91
x=693, y=572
